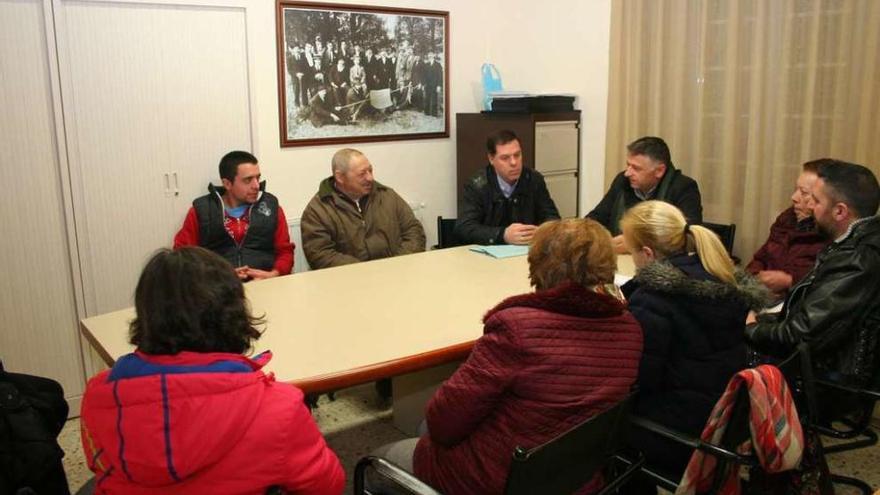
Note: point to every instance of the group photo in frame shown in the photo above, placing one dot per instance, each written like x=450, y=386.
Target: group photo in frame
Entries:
x=349, y=73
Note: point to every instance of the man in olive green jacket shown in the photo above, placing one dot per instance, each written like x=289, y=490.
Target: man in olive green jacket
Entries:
x=353, y=218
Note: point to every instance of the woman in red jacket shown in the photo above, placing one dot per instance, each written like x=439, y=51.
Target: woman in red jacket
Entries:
x=187, y=412
x=790, y=251
x=546, y=361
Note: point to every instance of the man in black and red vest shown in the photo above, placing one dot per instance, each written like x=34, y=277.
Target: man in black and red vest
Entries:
x=240, y=221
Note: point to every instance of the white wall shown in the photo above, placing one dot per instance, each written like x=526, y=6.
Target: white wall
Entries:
x=536, y=48
x=564, y=48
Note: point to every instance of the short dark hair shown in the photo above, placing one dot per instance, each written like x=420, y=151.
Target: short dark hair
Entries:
x=853, y=185
x=813, y=165
x=230, y=162
x=651, y=146
x=503, y=136
x=190, y=299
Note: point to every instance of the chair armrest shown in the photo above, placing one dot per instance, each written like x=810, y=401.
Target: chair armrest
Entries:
x=390, y=471
x=633, y=466
x=693, y=442
x=862, y=392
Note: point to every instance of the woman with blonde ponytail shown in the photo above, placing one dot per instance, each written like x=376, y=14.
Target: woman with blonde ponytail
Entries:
x=692, y=306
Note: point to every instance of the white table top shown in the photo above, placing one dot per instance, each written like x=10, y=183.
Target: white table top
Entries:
x=337, y=327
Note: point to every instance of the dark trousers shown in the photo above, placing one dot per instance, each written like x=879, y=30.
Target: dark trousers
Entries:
x=431, y=101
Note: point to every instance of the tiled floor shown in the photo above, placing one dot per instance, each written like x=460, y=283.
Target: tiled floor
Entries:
x=355, y=424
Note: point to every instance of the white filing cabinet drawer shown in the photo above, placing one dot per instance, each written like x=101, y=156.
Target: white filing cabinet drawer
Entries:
x=556, y=146
x=563, y=189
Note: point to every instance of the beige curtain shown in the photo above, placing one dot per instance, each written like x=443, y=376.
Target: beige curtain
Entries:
x=744, y=92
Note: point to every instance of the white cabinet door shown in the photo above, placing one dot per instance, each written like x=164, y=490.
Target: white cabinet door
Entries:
x=37, y=309
x=152, y=93
x=556, y=146
x=563, y=189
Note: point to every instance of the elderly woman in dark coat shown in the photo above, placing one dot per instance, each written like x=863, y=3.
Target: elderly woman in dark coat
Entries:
x=692, y=307
x=547, y=360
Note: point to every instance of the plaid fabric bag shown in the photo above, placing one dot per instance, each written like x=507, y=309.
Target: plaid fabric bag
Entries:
x=776, y=435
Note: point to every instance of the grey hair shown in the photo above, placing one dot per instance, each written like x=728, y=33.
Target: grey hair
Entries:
x=342, y=159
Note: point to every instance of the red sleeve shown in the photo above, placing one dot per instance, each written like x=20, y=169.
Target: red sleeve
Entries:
x=473, y=392
x=188, y=235
x=283, y=246
x=802, y=258
x=757, y=263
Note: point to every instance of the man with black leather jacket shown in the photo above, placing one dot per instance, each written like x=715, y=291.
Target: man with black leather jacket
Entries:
x=505, y=202
x=835, y=307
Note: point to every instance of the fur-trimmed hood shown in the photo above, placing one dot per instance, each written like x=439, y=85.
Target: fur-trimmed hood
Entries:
x=568, y=299
x=666, y=277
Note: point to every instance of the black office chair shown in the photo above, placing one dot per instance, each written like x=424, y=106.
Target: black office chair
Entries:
x=807, y=390
x=856, y=426
x=569, y=461
x=446, y=234
x=725, y=452
x=559, y=466
x=726, y=233
x=857, y=420
x=388, y=473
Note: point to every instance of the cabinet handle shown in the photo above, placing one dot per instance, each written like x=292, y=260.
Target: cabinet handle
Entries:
x=176, y=184
x=167, y=177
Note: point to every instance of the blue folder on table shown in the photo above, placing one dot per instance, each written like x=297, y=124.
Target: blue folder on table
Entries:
x=502, y=250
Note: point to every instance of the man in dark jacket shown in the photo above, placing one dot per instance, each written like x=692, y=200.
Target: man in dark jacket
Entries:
x=240, y=221
x=649, y=174
x=322, y=112
x=432, y=78
x=504, y=203
x=298, y=68
x=834, y=307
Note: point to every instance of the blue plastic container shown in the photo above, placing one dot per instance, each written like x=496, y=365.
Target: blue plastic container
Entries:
x=491, y=83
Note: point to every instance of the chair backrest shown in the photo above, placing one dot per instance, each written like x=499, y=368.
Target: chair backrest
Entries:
x=569, y=461
x=446, y=233
x=726, y=233
x=798, y=372
x=386, y=474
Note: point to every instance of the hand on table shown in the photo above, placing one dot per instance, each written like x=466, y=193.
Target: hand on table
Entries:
x=256, y=274
x=242, y=272
x=519, y=233
x=775, y=280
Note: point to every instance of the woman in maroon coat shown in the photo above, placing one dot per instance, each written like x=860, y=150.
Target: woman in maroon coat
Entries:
x=546, y=361
x=790, y=251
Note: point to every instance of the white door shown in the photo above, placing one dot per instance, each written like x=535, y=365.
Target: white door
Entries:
x=37, y=307
x=154, y=95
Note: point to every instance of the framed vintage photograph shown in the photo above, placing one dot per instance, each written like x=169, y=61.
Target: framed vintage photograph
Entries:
x=352, y=73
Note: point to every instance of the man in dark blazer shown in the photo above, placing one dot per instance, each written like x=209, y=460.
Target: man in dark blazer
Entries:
x=298, y=68
x=432, y=79
x=649, y=174
x=505, y=202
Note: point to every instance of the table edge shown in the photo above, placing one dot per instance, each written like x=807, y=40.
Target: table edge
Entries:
x=98, y=348
x=364, y=374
